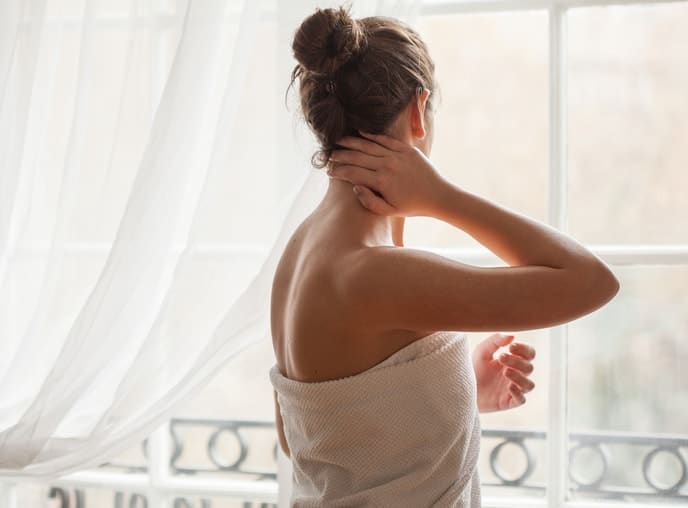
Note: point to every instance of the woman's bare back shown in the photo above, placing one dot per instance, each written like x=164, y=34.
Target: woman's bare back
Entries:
x=317, y=336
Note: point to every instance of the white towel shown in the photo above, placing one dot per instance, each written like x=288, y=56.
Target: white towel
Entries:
x=404, y=433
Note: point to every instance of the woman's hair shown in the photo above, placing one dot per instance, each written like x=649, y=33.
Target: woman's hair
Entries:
x=357, y=74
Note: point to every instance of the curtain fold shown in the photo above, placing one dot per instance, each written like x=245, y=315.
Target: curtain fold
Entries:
x=150, y=177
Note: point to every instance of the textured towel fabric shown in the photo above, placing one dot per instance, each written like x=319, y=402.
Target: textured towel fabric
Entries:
x=404, y=433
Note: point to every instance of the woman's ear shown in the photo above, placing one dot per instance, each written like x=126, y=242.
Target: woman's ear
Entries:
x=418, y=127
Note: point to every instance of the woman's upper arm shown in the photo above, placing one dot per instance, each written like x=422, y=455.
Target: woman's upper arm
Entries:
x=419, y=290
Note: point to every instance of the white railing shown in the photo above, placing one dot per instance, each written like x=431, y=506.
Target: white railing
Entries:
x=253, y=481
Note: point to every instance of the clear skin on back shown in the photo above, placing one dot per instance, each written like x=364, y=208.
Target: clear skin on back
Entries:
x=347, y=294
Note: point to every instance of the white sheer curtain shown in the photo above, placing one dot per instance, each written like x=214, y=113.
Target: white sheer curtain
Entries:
x=150, y=176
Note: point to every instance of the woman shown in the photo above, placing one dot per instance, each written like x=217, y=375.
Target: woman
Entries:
x=376, y=394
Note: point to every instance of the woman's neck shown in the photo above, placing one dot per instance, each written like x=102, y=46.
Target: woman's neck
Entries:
x=354, y=222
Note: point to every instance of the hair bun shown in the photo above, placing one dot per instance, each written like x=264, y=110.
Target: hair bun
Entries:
x=328, y=39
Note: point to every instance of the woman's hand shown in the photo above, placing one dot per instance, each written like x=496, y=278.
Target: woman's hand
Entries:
x=502, y=382
x=406, y=182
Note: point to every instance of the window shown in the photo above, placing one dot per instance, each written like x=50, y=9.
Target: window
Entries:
x=607, y=104
x=574, y=112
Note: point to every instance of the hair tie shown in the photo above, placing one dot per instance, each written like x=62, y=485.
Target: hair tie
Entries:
x=330, y=86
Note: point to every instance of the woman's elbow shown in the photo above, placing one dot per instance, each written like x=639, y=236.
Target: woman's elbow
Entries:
x=605, y=285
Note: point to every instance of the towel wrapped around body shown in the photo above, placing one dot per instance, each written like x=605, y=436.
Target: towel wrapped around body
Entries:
x=404, y=433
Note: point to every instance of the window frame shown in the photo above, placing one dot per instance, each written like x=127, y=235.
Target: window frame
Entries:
x=161, y=487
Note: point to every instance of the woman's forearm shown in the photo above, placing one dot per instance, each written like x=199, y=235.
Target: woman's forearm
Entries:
x=515, y=238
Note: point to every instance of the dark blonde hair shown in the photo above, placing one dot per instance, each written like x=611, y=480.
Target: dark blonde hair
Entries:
x=357, y=74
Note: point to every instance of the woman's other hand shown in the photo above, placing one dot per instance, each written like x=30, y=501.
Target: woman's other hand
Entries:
x=502, y=381
x=406, y=182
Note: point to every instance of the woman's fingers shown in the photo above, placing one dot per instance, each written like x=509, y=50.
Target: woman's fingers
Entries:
x=364, y=183
x=354, y=174
x=523, y=350
x=346, y=156
x=524, y=384
x=386, y=141
x=516, y=362
x=516, y=395
x=372, y=202
x=363, y=145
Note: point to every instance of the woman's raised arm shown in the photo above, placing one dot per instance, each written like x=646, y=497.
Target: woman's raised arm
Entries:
x=552, y=278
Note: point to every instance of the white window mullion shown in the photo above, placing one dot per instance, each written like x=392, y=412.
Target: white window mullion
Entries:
x=642, y=254
x=8, y=494
x=557, y=438
x=158, y=471
x=158, y=441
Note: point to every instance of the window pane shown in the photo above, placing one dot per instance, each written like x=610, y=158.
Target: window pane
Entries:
x=228, y=429
x=490, y=131
x=628, y=119
x=627, y=385
x=230, y=194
